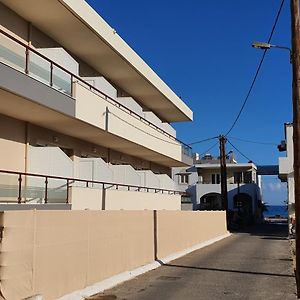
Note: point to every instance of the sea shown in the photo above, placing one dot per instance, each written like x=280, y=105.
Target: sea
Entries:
x=275, y=210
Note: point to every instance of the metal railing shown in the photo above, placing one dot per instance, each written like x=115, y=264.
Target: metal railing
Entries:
x=57, y=82
x=22, y=177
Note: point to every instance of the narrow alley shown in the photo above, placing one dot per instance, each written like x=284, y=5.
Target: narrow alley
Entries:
x=251, y=265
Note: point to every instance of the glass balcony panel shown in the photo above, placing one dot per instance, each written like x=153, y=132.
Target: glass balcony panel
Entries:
x=39, y=68
x=62, y=81
x=186, y=150
x=35, y=192
x=9, y=188
x=12, y=54
x=57, y=191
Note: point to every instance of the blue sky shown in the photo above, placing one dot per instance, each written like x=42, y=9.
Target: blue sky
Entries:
x=202, y=50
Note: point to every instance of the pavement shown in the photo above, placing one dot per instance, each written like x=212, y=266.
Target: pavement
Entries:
x=255, y=264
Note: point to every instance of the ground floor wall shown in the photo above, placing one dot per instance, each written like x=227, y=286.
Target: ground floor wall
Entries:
x=53, y=253
x=199, y=190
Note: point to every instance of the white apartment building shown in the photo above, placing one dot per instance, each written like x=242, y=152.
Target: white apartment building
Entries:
x=202, y=184
x=85, y=122
x=286, y=164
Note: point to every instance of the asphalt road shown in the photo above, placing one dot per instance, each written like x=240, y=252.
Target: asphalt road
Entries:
x=253, y=265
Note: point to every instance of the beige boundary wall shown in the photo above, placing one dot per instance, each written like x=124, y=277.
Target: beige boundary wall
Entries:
x=54, y=253
x=95, y=199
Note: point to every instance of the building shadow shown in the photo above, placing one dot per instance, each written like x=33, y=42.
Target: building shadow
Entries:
x=228, y=270
x=265, y=230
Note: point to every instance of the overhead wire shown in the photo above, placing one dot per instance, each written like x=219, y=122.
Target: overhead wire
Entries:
x=204, y=140
x=240, y=152
x=210, y=148
x=253, y=142
x=257, y=70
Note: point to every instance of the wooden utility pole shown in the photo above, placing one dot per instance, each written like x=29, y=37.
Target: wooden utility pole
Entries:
x=222, y=141
x=295, y=35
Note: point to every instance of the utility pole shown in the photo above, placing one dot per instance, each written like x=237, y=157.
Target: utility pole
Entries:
x=295, y=35
x=222, y=141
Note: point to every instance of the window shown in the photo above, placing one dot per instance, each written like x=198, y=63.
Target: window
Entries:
x=215, y=178
x=185, y=199
x=184, y=178
x=247, y=177
x=237, y=177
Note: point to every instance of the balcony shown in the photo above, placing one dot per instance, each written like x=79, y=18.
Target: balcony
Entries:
x=121, y=128
x=94, y=109
x=21, y=191
x=284, y=168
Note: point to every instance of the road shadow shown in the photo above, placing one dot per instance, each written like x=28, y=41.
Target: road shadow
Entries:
x=265, y=230
x=228, y=270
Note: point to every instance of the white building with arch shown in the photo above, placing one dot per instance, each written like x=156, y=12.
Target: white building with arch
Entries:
x=202, y=184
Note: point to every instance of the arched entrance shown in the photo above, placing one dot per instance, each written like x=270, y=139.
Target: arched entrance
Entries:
x=243, y=203
x=211, y=201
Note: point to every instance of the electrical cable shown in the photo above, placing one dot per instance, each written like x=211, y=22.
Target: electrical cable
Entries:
x=257, y=70
x=210, y=148
x=239, y=151
x=201, y=141
x=252, y=142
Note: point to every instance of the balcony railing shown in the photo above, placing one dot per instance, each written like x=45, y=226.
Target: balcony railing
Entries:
x=23, y=187
x=31, y=62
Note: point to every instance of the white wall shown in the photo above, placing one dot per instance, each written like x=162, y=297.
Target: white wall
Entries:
x=250, y=189
x=166, y=182
x=149, y=179
x=286, y=164
x=125, y=174
x=291, y=188
x=61, y=57
x=192, y=175
x=95, y=169
x=132, y=105
x=103, y=85
x=50, y=161
x=151, y=117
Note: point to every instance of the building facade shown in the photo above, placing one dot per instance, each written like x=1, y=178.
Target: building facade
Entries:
x=286, y=165
x=202, y=183
x=82, y=115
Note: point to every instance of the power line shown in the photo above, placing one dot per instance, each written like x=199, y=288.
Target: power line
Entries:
x=253, y=142
x=201, y=141
x=239, y=151
x=210, y=148
x=257, y=71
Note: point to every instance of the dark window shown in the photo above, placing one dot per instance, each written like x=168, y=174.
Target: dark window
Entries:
x=247, y=177
x=215, y=178
x=237, y=177
x=184, y=178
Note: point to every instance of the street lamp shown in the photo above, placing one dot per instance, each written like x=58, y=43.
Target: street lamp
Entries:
x=267, y=46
